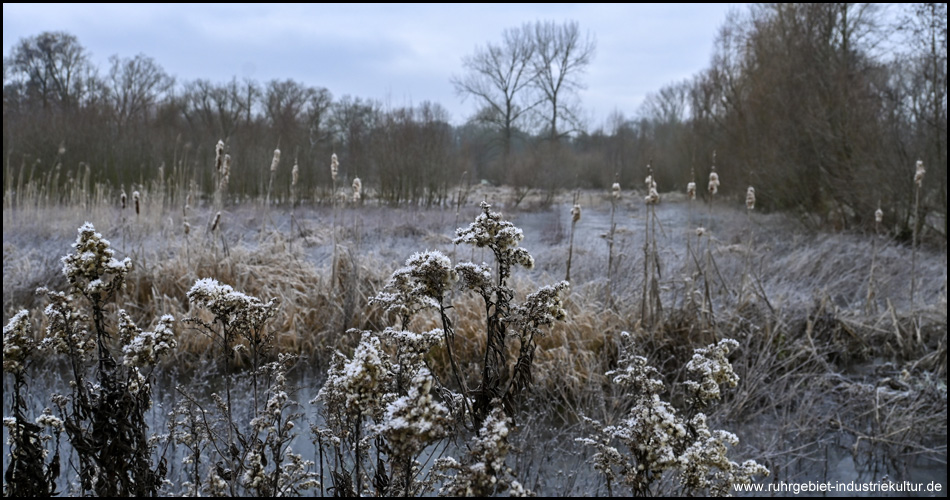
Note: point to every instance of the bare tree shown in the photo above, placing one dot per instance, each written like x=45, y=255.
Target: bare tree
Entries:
x=500, y=77
x=220, y=107
x=318, y=117
x=135, y=84
x=561, y=57
x=55, y=66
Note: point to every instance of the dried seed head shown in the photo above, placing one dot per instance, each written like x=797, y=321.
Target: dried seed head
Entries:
x=576, y=213
x=219, y=155
x=123, y=199
x=713, y=182
x=135, y=198
x=691, y=190
x=357, y=188
x=919, y=175
x=226, y=169
x=62, y=149
x=275, y=161
x=217, y=219
x=654, y=197
x=294, y=174
x=700, y=231
x=651, y=184
x=750, y=198
x=334, y=166
x=187, y=227
x=878, y=215
x=615, y=191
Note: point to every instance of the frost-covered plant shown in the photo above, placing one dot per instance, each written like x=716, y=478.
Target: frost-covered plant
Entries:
x=385, y=398
x=484, y=472
x=502, y=237
x=410, y=424
x=188, y=427
x=239, y=323
x=660, y=441
x=356, y=388
x=105, y=421
x=142, y=349
x=271, y=432
x=710, y=370
x=395, y=394
x=28, y=473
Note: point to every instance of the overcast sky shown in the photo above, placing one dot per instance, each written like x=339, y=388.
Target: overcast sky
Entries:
x=398, y=54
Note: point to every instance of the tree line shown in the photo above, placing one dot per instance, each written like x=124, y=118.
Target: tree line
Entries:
x=823, y=108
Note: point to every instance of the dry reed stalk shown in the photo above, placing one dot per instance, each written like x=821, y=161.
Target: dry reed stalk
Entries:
x=575, y=217
x=650, y=300
x=919, y=181
x=747, y=274
x=870, y=301
x=713, y=188
x=690, y=197
x=614, y=198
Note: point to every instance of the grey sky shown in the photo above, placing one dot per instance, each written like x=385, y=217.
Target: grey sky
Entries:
x=399, y=54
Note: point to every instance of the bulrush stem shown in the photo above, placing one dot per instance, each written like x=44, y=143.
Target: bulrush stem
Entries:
x=919, y=181
x=913, y=258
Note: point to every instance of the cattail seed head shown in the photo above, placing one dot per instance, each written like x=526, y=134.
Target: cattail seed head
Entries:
x=750, y=198
x=713, y=182
x=135, y=199
x=62, y=149
x=357, y=188
x=219, y=155
x=275, y=161
x=654, y=197
x=226, y=169
x=123, y=199
x=919, y=175
x=615, y=190
x=878, y=215
x=187, y=227
x=700, y=231
x=650, y=182
x=691, y=190
x=334, y=166
x=294, y=174
x=576, y=213
x=217, y=219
